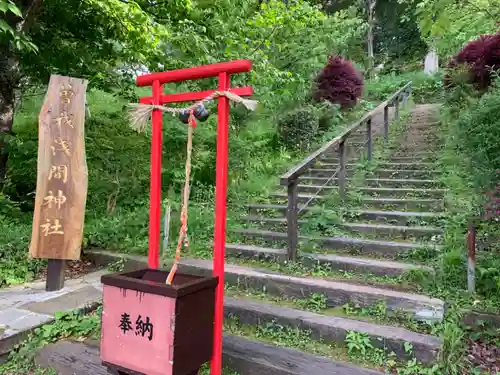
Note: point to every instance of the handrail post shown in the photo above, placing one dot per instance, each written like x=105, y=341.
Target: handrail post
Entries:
x=291, y=218
x=342, y=173
x=386, y=124
x=369, y=143
x=396, y=108
x=404, y=99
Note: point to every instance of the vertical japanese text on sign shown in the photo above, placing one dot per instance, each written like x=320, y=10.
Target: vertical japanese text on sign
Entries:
x=62, y=172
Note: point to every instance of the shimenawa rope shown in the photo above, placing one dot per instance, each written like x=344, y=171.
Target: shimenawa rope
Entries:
x=139, y=118
x=140, y=113
x=185, y=200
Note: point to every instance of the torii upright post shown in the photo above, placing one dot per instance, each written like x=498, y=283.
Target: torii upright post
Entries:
x=223, y=71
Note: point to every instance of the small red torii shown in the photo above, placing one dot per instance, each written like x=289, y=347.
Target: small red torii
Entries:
x=223, y=71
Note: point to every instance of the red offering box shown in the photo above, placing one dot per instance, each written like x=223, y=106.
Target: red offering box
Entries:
x=149, y=327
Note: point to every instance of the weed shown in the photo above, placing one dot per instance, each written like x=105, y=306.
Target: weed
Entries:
x=117, y=266
x=66, y=325
x=316, y=302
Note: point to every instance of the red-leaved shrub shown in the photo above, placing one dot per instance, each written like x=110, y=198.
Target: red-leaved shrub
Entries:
x=481, y=57
x=339, y=82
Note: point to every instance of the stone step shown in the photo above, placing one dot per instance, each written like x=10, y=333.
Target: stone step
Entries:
x=316, y=180
x=381, y=230
x=418, y=165
x=325, y=165
x=315, y=189
x=301, y=198
x=365, y=246
x=332, y=329
x=335, y=262
x=269, y=222
x=319, y=172
x=405, y=204
x=336, y=293
x=240, y=354
x=412, y=159
x=330, y=160
x=399, y=230
x=405, y=173
x=396, y=217
x=248, y=357
x=328, y=169
x=401, y=192
x=277, y=209
x=416, y=153
x=401, y=183
x=256, y=252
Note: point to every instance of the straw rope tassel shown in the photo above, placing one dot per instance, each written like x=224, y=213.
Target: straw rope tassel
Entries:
x=139, y=114
x=185, y=200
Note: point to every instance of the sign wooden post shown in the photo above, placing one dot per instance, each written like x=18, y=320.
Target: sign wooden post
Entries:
x=61, y=189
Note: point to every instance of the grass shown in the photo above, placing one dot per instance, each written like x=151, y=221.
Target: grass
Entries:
x=118, y=215
x=118, y=160
x=294, y=338
x=357, y=349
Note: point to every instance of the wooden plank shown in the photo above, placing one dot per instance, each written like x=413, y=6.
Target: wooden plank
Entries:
x=342, y=160
x=369, y=144
x=61, y=191
x=55, y=274
x=386, y=124
x=292, y=223
x=244, y=356
x=300, y=168
x=247, y=357
x=396, y=105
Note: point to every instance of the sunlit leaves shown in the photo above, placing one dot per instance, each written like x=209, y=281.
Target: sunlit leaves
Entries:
x=15, y=38
x=9, y=6
x=450, y=23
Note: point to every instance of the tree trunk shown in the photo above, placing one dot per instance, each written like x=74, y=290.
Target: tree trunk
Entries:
x=371, y=23
x=9, y=73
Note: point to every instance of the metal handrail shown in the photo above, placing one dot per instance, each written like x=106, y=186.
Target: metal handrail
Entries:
x=291, y=177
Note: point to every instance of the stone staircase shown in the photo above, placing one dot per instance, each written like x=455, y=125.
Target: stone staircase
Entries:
x=351, y=253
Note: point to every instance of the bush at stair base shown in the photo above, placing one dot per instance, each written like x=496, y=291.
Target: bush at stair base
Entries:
x=298, y=128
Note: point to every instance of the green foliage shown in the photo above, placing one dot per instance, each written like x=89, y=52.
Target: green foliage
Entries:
x=278, y=40
x=14, y=239
x=450, y=24
x=478, y=128
x=397, y=37
x=469, y=163
x=358, y=343
x=66, y=325
x=298, y=127
x=425, y=88
x=8, y=9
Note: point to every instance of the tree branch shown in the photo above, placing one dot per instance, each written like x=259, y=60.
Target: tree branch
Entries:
x=494, y=17
x=29, y=16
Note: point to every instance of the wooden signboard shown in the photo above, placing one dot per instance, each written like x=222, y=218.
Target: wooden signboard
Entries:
x=61, y=189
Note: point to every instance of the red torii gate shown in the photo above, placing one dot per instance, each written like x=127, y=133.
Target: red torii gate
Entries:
x=223, y=71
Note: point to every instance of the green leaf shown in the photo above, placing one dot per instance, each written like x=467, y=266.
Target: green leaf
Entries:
x=14, y=9
x=3, y=6
x=5, y=27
